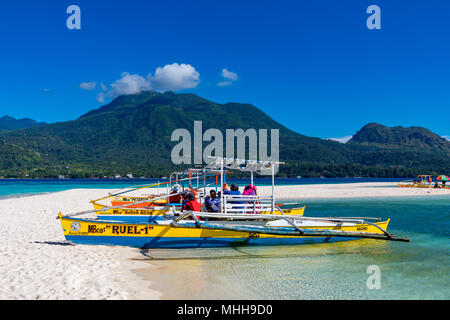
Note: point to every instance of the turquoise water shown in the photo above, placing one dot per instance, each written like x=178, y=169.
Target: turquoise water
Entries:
x=415, y=270
x=13, y=187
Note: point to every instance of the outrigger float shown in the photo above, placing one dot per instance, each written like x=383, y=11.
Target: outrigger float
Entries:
x=239, y=222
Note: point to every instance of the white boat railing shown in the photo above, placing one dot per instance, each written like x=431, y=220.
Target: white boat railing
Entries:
x=246, y=204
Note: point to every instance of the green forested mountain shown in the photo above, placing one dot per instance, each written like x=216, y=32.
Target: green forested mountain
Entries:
x=10, y=123
x=378, y=135
x=132, y=134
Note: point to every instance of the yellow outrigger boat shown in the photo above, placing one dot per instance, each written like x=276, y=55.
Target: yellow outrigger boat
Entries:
x=251, y=230
x=422, y=181
x=237, y=223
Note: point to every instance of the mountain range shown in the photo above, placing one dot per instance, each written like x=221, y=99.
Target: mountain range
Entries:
x=10, y=123
x=132, y=134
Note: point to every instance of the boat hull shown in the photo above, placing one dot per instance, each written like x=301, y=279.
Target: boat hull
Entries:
x=151, y=235
x=405, y=185
x=132, y=215
x=120, y=201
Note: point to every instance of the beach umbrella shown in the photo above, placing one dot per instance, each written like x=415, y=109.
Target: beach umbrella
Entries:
x=442, y=178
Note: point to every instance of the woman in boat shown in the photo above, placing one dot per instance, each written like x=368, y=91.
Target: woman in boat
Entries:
x=191, y=203
x=250, y=190
x=177, y=197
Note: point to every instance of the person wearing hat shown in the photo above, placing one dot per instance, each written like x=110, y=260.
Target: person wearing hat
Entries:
x=177, y=197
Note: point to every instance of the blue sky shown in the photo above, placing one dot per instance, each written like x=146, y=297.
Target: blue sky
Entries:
x=313, y=66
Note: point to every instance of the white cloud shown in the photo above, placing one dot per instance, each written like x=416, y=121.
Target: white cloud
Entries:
x=88, y=85
x=171, y=77
x=175, y=77
x=229, y=75
x=341, y=139
x=129, y=84
x=446, y=137
x=101, y=97
x=224, y=83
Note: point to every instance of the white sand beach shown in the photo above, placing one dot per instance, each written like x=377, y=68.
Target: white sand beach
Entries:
x=37, y=263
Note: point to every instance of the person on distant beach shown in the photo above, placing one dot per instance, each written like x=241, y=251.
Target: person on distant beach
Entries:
x=436, y=185
x=212, y=203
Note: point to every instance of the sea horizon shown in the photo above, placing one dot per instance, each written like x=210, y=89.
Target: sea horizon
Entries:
x=30, y=186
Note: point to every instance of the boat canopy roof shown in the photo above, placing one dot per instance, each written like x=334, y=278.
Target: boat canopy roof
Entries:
x=241, y=164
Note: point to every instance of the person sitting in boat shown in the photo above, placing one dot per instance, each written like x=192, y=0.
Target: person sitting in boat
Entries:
x=177, y=197
x=249, y=190
x=191, y=203
x=212, y=203
x=234, y=190
x=191, y=189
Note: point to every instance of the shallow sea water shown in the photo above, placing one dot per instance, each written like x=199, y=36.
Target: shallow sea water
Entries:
x=415, y=270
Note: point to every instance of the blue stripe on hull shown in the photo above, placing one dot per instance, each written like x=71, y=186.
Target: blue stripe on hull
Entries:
x=168, y=242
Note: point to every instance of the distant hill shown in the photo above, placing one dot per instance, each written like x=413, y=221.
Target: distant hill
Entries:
x=132, y=134
x=10, y=123
x=378, y=135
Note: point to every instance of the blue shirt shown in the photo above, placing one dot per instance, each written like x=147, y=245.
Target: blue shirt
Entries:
x=212, y=205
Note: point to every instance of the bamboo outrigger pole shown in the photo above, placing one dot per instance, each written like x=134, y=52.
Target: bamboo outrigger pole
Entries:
x=287, y=231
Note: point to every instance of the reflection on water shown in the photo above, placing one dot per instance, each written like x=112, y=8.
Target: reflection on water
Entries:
x=415, y=270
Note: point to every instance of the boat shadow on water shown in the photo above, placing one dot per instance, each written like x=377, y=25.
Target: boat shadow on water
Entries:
x=361, y=247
